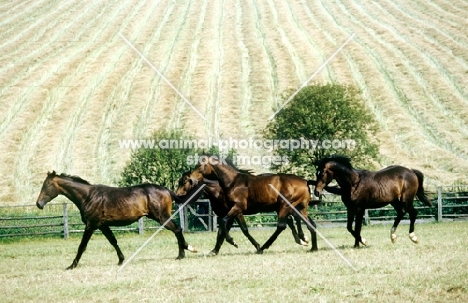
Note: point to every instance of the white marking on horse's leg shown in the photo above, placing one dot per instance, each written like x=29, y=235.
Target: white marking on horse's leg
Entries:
x=192, y=248
x=393, y=236
x=413, y=237
x=303, y=243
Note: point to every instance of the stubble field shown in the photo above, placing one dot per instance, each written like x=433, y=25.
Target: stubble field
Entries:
x=71, y=87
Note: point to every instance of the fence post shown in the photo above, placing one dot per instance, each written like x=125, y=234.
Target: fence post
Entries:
x=210, y=217
x=366, y=217
x=183, y=219
x=215, y=222
x=65, y=221
x=141, y=227
x=439, y=204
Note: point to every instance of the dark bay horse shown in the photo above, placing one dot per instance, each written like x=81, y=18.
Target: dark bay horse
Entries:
x=220, y=207
x=247, y=193
x=362, y=189
x=103, y=206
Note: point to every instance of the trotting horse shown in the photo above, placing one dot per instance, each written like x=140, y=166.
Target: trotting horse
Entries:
x=103, y=206
x=362, y=189
x=245, y=191
x=220, y=207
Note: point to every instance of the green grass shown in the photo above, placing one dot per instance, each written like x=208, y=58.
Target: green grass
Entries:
x=435, y=270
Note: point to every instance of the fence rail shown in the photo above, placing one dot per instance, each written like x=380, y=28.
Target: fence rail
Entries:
x=64, y=219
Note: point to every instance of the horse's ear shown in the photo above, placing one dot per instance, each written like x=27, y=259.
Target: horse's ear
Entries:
x=51, y=174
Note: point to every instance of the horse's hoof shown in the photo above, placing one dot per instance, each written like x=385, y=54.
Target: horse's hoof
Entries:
x=413, y=238
x=192, y=249
x=303, y=243
x=180, y=257
x=212, y=254
x=393, y=237
x=235, y=244
x=260, y=252
x=364, y=241
x=314, y=249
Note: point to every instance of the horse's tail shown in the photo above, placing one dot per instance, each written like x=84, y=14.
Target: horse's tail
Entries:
x=420, y=193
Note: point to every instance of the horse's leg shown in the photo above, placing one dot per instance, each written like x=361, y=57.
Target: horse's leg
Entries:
x=234, y=212
x=412, y=215
x=313, y=234
x=177, y=230
x=357, y=230
x=282, y=218
x=113, y=241
x=220, y=239
x=300, y=232
x=84, y=242
x=349, y=225
x=245, y=231
x=297, y=237
x=398, y=206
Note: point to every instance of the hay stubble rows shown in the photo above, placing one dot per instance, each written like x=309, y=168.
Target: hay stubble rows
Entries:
x=70, y=87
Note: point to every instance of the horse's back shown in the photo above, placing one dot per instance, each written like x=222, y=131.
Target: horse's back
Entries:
x=388, y=185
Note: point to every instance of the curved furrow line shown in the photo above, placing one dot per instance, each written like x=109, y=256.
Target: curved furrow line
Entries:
x=32, y=138
x=181, y=107
x=217, y=88
x=33, y=62
x=460, y=6
x=115, y=102
x=245, y=81
x=317, y=53
x=16, y=23
x=437, y=136
x=213, y=78
x=14, y=12
x=401, y=97
x=70, y=134
x=433, y=93
x=448, y=75
x=298, y=65
x=18, y=107
x=449, y=19
x=164, y=65
x=379, y=63
x=17, y=44
x=274, y=83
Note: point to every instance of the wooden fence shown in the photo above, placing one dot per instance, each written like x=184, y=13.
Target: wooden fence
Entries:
x=64, y=219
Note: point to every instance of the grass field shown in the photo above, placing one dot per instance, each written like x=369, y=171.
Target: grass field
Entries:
x=435, y=270
x=71, y=87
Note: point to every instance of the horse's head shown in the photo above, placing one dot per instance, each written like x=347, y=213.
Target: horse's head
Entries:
x=185, y=184
x=324, y=176
x=205, y=168
x=49, y=190
x=326, y=170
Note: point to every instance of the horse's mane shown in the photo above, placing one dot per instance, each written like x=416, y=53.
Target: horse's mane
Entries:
x=343, y=160
x=231, y=163
x=75, y=178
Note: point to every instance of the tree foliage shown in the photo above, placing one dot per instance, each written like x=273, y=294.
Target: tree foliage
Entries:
x=162, y=166
x=332, y=116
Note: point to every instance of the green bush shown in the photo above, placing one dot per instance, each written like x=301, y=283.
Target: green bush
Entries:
x=324, y=113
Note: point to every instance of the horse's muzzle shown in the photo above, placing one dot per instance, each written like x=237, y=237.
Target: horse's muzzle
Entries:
x=40, y=204
x=317, y=193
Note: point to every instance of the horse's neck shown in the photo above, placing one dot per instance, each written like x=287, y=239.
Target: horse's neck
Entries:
x=75, y=191
x=225, y=174
x=345, y=177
